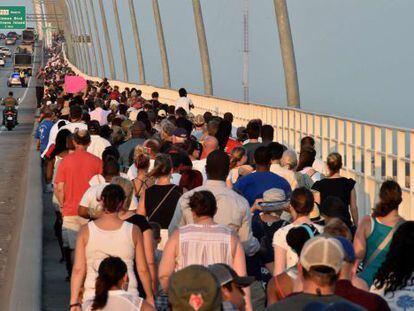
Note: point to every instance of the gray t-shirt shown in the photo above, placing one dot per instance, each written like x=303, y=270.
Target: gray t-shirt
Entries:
x=301, y=300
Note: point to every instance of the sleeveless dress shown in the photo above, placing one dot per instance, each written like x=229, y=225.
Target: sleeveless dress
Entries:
x=204, y=245
x=379, y=232
x=104, y=243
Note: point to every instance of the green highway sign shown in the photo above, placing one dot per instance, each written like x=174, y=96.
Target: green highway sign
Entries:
x=12, y=17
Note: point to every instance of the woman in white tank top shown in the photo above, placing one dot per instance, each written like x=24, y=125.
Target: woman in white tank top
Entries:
x=109, y=236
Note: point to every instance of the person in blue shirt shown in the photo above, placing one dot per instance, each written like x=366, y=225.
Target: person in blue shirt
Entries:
x=43, y=129
x=253, y=185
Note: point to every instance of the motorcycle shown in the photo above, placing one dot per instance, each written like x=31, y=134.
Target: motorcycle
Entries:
x=10, y=117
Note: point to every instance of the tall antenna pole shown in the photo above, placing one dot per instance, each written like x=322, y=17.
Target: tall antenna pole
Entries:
x=246, y=51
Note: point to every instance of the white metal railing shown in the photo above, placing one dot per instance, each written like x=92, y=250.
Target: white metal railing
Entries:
x=371, y=152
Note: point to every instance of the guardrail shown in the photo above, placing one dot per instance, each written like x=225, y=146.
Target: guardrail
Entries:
x=371, y=152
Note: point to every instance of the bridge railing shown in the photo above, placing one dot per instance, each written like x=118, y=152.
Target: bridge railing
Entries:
x=371, y=152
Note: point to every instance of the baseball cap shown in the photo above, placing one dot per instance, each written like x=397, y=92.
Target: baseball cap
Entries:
x=180, y=132
x=194, y=288
x=162, y=113
x=199, y=120
x=348, y=249
x=226, y=274
x=322, y=251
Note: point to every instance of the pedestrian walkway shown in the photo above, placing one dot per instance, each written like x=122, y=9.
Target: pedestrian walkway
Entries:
x=55, y=289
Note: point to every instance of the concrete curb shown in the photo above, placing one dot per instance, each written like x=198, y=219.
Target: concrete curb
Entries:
x=27, y=283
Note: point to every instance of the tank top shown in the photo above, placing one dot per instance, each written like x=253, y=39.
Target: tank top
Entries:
x=104, y=243
x=162, y=214
x=379, y=232
x=204, y=245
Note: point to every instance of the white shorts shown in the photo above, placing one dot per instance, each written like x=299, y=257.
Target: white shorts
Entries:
x=70, y=228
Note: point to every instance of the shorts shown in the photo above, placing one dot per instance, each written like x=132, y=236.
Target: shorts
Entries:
x=70, y=228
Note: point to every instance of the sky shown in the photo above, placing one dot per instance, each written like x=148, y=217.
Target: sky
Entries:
x=354, y=58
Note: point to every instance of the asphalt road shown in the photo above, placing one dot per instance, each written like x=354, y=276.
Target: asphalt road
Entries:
x=14, y=147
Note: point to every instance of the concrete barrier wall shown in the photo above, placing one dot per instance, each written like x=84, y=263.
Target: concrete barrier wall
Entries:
x=371, y=152
x=26, y=290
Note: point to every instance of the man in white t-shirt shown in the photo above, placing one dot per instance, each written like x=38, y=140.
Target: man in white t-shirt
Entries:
x=75, y=117
x=98, y=144
x=99, y=114
x=183, y=102
x=53, y=134
x=210, y=144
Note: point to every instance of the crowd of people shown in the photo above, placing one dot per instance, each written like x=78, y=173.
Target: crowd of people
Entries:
x=158, y=208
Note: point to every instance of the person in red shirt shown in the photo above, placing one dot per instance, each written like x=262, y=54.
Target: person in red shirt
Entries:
x=115, y=94
x=71, y=182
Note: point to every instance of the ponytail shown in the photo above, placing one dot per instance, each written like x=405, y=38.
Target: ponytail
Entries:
x=110, y=273
x=162, y=166
x=101, y=293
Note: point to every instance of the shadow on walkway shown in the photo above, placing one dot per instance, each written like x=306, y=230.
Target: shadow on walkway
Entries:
x=55, y=290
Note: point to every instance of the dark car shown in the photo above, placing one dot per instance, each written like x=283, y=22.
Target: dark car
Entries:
x=12, y=34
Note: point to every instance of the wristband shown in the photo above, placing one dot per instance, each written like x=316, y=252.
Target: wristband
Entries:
x=78, y=304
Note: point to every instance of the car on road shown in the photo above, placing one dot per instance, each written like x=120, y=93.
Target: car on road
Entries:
x=14, y=80
x=5, y=51
x=2, y=61
x=11, y=41
x=12, y=34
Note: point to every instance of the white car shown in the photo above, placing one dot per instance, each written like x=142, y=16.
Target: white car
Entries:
x=5, y=51
x=2, y=62
x=14, y=79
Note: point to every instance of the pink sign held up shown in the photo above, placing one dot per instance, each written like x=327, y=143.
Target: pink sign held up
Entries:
x=74, y=84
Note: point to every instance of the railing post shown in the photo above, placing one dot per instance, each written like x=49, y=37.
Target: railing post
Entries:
x=324, y=139
x=318, y=136
x=341, y=137
x=389, y=160
x=349, y=146
x=288, y=53
x=333, y=141
x=91, y=50
x=137, y=41
x=112, y=71
x=369, y=184
x=98, y=40
x=203, y=47
x=120, y=40
x=83, y=31
x=378, y=153
x=161, y=43
x=358, y=164
x=401, y=158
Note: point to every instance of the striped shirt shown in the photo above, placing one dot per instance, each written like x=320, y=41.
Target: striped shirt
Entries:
x=204, y=245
